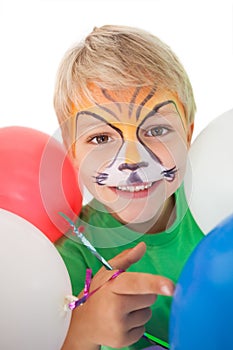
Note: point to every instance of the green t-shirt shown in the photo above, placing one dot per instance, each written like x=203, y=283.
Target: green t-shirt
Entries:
x=166, y=253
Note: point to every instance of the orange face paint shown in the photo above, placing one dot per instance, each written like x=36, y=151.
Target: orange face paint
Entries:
x=126, y=107
x=131, y=149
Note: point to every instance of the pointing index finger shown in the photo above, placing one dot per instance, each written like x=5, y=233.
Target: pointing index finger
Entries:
x=142, y=283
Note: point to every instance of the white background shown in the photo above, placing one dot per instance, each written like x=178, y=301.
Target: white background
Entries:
x=35, y=34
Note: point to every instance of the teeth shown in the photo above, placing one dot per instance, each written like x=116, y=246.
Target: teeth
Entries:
x=135, y=188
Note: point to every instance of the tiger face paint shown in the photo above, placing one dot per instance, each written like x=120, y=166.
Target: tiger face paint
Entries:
x=131, y=151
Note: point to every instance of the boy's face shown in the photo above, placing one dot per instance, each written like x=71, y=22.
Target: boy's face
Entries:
x=131, y=150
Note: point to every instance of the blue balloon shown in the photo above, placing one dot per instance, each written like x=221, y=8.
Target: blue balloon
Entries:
x=202, y=308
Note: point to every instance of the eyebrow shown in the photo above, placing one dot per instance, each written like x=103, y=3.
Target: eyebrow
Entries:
x=157, y=107
x=98, y=117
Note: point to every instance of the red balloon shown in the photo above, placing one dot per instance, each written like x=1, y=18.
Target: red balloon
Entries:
x=38, y=180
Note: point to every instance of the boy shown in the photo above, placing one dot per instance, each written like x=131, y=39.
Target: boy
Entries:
x=126, y=110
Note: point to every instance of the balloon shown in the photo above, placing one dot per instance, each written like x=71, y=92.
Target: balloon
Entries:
x=34, y=284
x=202, y=309
x=209, y=184
x=37, y=180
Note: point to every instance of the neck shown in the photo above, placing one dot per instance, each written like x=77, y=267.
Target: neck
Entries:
x=162, y=220
x=166, y=216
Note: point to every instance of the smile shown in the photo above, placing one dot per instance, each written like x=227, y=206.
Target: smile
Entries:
x=135, y=188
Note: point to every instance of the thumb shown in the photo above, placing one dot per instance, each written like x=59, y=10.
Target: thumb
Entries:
x=128, y=257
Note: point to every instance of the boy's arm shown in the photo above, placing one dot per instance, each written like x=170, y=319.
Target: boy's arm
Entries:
x=116, y=314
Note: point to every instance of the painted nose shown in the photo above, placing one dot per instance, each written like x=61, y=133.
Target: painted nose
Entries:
x=132, y=167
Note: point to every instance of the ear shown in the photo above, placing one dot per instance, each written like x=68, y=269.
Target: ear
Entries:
x=190, y=133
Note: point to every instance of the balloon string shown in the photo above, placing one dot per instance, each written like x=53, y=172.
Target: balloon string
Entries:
x=87, y=282
x=87, y=294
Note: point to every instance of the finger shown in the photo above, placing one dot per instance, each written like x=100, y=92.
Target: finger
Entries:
x=130, y=303
x=139, y=318
x=142, y=283
x=134, y=334
x=128, y=257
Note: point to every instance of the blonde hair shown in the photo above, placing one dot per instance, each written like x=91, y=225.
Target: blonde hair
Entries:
x=114, y=58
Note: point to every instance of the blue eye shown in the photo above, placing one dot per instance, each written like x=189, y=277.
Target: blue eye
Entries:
x=157, y=131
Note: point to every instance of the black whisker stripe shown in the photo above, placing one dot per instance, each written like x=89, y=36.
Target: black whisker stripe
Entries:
x=146, y=99
x=170, y=171
x=110, y=98
x=100, y=178
x=131, y=104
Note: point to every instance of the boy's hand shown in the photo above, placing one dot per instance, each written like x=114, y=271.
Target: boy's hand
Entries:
x=116, y=314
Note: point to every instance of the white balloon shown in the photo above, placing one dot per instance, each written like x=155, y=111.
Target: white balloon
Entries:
x=209, y=180
x=34, y=284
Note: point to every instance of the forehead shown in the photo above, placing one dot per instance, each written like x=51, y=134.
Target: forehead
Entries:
x=131, y=105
